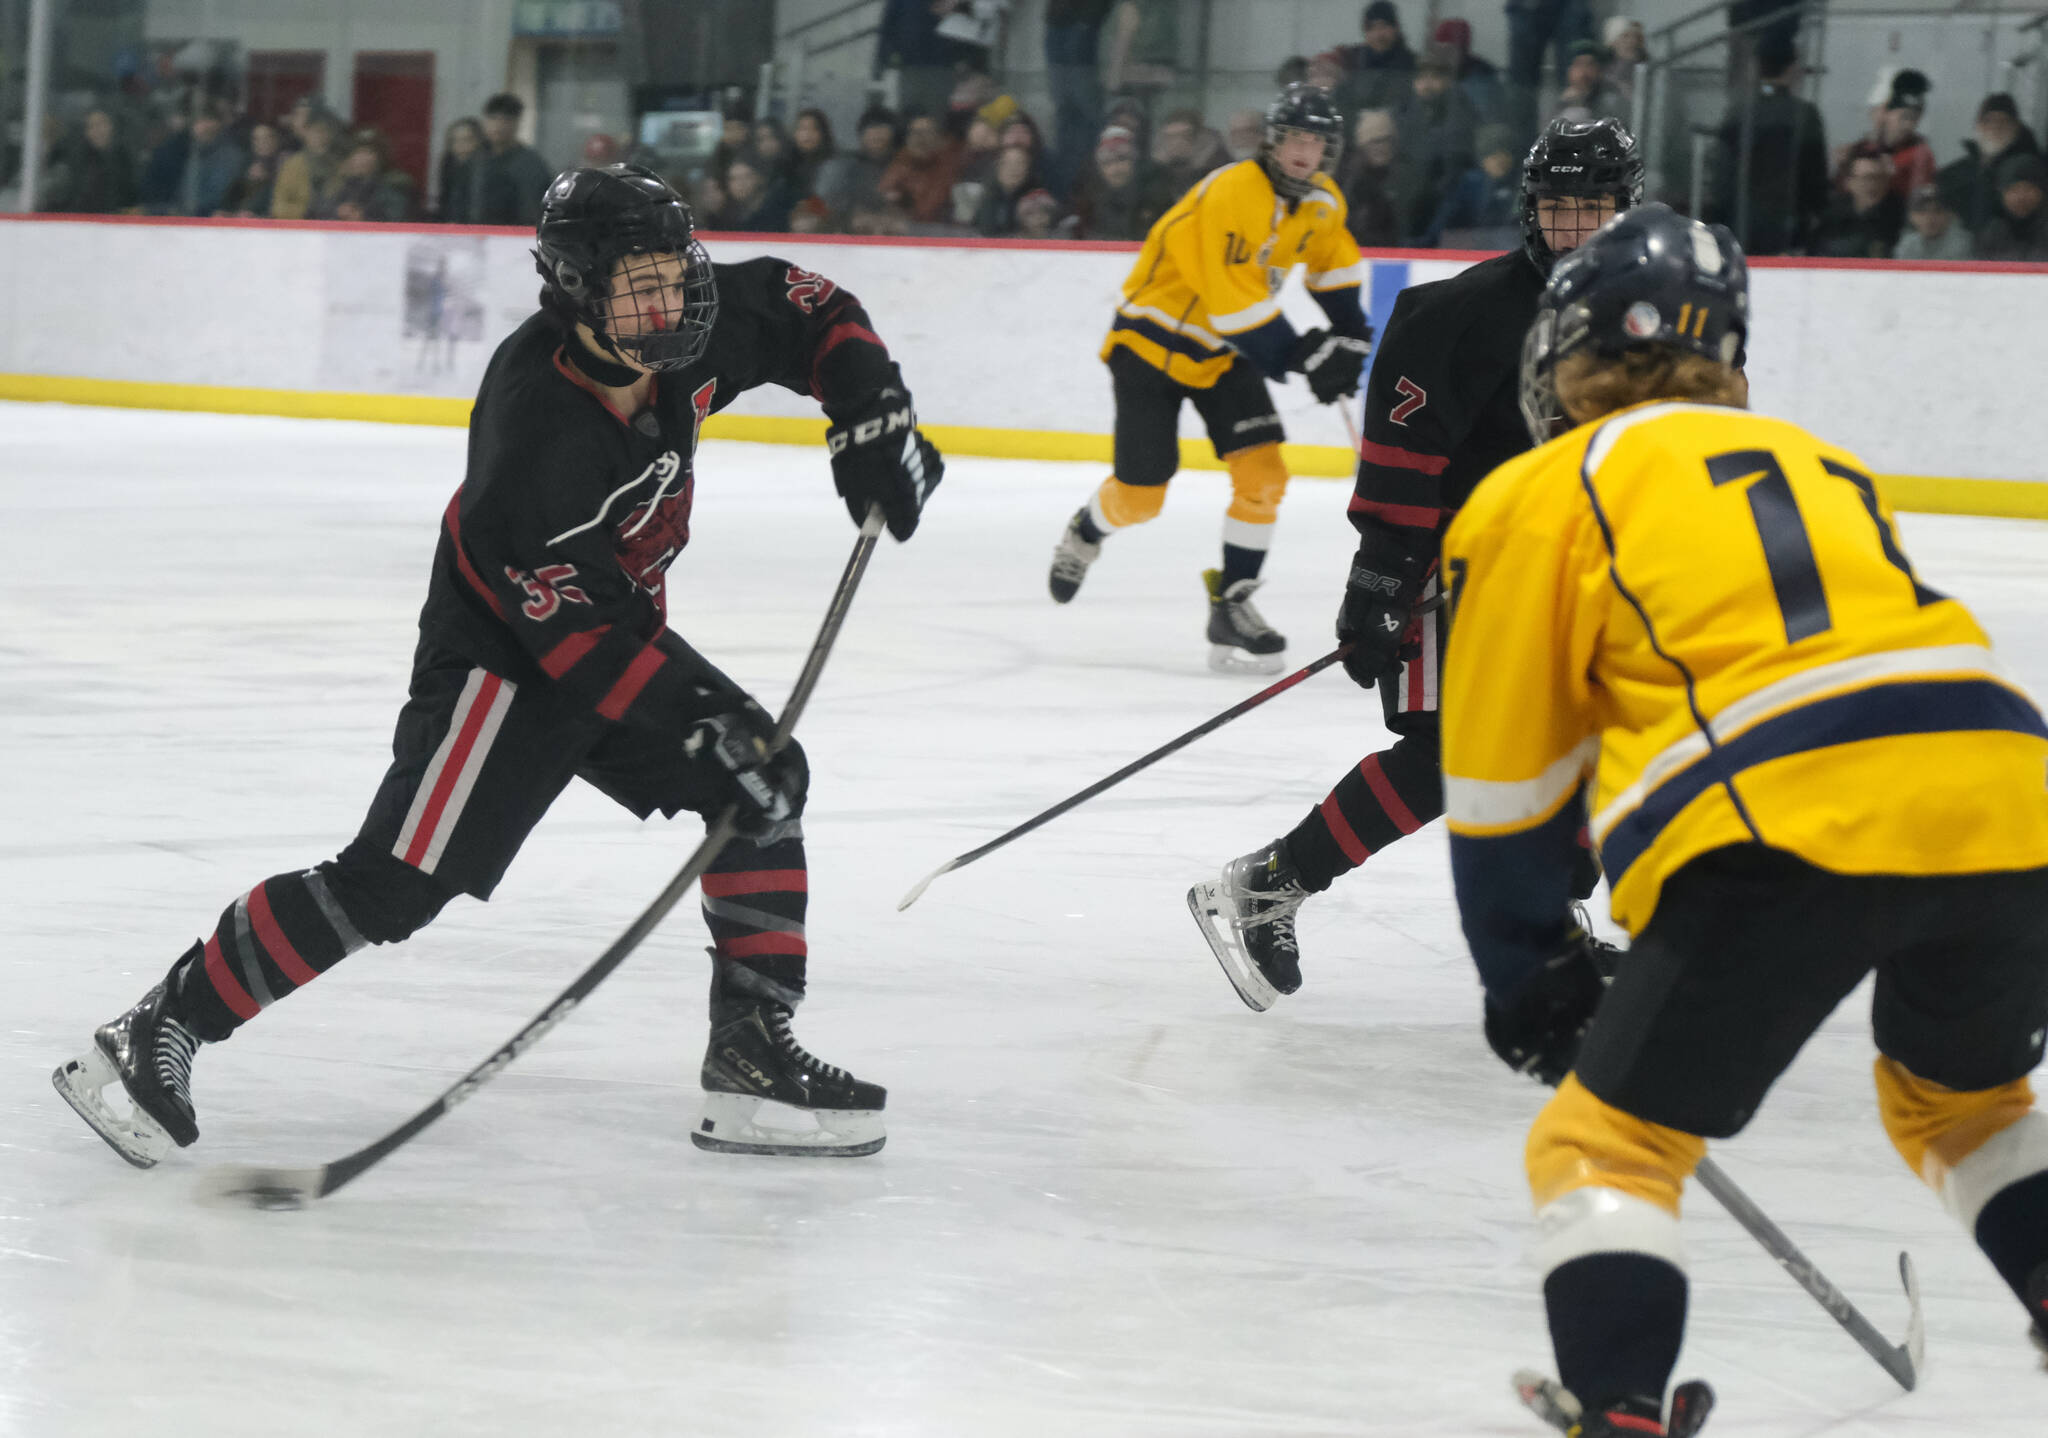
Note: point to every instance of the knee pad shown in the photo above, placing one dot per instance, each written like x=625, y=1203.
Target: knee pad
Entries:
x=384, y=898
x=1580, y=1141
x=1117, y=504
x=1966, y=1146
x=1257, y=481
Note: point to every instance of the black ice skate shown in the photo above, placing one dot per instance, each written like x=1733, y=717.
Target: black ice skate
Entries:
x=1071, y=558
x=149, y=1053
x=754, y=1061
x=1240, y=640
x=1551, y=1401
x=1248, y=918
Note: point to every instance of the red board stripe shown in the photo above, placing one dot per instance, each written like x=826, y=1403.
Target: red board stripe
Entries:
x=225, y=984
x=756, y=881
x=1341, y=830
x=1376, y=780
x=753, y=946
x=569, y=653
x=1391, y=456
x=615, y=704
x=1412, y=516
x=271, y=935
x=444, y=784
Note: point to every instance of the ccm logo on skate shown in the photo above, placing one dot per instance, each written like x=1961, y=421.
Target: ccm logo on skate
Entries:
x=739, y=1061
x=541, y=1026
x=870, y=430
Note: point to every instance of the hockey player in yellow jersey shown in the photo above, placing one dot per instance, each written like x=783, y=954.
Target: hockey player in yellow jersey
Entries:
x=1200, y=321
x=1696, y=625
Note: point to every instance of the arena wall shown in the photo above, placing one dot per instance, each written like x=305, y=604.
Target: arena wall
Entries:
x=1934, y=374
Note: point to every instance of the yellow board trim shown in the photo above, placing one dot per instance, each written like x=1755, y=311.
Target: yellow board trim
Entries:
x=2002, y=498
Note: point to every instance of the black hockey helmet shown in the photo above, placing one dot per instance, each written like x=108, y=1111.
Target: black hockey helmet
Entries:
x=592, y=219
x=1587, y=158
x=1649, y=277
x=1307, y=108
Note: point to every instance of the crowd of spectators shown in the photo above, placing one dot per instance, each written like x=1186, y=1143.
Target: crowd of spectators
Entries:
x=1885, y=194
x=203, y=157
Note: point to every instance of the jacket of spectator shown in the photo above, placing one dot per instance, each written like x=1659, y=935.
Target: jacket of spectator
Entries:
x=508, y=180
x=191, y=172
x=1788, y=167
x=361, y=189
x=2020, y=229
x=1479, y=80
x=856, y=183
x=1376, y=71
x=1898, y=140
x=1967, y=183
x=1388, y=200
x=757, y=197
x=251, y=192
x=90, y=173
x=455, y=181
x=1120, y=196
x=1436, y=124
x=1863, y=224
x=812, y=152
x=1952, y=243
x=909, y=37
x=921, y=176
x=305, y=174
x=1014, y=176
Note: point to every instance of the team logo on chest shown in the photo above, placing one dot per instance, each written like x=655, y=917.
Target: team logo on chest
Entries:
x=657, y=527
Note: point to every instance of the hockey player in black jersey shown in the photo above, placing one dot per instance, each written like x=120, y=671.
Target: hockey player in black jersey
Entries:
x=1442, y=409
x=545, y=655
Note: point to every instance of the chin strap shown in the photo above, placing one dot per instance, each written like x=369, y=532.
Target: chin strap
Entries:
x=596, y=364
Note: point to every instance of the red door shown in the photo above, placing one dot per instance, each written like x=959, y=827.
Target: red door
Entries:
x=394, y=92
x=277, y=78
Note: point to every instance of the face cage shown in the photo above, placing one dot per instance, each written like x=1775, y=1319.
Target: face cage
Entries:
x=1582, y=227
x=678, y=327
x=1286, y=184
x=1541, y=411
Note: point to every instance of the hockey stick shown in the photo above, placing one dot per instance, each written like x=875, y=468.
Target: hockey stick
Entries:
x=1206, y=727
x=253, y=1187
x=1901, y=1360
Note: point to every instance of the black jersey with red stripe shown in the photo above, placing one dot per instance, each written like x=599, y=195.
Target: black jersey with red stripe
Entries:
x=1442, y=409
x=553, y=555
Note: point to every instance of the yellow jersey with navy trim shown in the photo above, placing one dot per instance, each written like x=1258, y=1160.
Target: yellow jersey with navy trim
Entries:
x=1213, y=265
x=1698, y=623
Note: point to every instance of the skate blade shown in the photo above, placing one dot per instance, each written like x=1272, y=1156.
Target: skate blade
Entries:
x=1229, y=659
x=1205, y=902
x=244, y=1186
x=730, y=1125
x=83, y=1082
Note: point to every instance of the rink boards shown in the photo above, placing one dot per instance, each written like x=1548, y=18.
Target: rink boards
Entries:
x=1930, y=372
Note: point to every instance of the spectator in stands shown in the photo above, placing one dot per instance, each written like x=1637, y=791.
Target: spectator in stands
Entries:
x=1787, y=172
x=809, y=217
x=510, y=179
x=91, y=173
x=753, y=201
x=191, y=172
x=1037, y=214
x=1534, y=26
x=707, y=199
x=459, y=147
x=1476, y=77
x=1244, y=133
x=1177, y=151
x=876, y=139
x=874, y=215
x=733, y=135
x=251, y=192
x=1967, y=183
x=1376, y=72
x=2019, y=231
x=921, y=177
x=1485, y=197
x=1020, y=131
x=295, y=122
x=1894, y=132
x=363, y=188
x=1932, y=232
x=1436, y=122
x=1014, y=176
x=302, y=177
x=1627, y=47
x=908, y=42
x=1073, y=36
x=1119, y=198
x=769, y=150
x=1864, y=223
x=818, y=165
x=1586, y=94
x=1387, y=200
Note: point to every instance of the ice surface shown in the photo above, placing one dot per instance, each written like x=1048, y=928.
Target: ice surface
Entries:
x=1114, y=1202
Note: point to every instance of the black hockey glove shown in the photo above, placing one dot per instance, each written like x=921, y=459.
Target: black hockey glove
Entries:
x=769, y=791
x=1333, y=364
x=880, y=457
x=1538, y=1028
x=1378, y=610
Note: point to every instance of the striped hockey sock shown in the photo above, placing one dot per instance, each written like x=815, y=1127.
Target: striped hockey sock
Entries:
x=1390, y=794
x=754, y=898
x=281, y=935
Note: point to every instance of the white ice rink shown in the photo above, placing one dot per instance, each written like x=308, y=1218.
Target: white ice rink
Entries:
x=1114, y=1202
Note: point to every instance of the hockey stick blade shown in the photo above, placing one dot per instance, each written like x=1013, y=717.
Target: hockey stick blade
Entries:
x=292, y=1188
x=1901, y=1360
x=1073, y=801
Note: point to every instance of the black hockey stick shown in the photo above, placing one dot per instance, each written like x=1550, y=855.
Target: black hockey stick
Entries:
x=1206, y=727
x=251, y=1187
x=1901, y=1360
